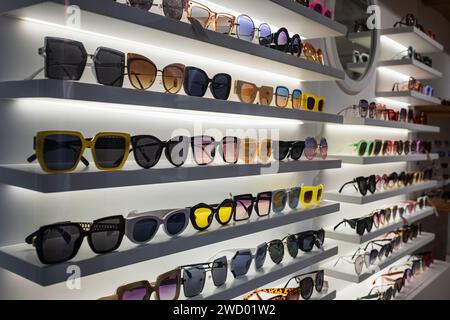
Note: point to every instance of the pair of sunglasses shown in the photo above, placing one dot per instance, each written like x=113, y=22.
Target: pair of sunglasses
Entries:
x=374, y=293
x=242, y=260
x=173, y=9
x=60, y=242
x=307, y=196
x=196, y=83
x=377, y=147
x=362, y=184
x=408, y=233
x=142, y=227
x=313, y=54
x=282, y=42
x=252, y=150
x=313, y=103
x=317, y=6
x=305, y=288
x=201, y=215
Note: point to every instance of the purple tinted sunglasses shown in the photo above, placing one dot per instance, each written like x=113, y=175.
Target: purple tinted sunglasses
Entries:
x=311, y=148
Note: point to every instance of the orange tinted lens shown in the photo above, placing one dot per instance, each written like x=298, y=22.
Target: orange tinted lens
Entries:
x=265, y=95
x=265, y=150
x=247, y=92
x=224, y=24
x=173, y=76
x=293, y=295
x=248, y=153
x=141, y=72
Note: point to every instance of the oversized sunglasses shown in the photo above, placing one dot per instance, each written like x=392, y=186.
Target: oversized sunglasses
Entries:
x=313, y=148
x=202, y=214
x=60, y=242
x=245, y=203
x=247, y=92
x=317, y=6
x=288, y=149
x=196, y=83
x=362, y=184
x=311, y=54
x=204, y=149
x=313, y=103
x=142, y=227
x=282, y=96
x=251, y=149
x=61, y=151
x=173, y=9
x=242, y=260
x=282, y=42
x=308, y=239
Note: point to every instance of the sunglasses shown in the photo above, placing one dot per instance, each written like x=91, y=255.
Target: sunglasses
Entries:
x=304, y=289
x=61, y=151
x=312, y=148
x=312, y=54
x=317, y=6
x=222, y=22
x=196, y=82
x=247, y=92
x=242, y=260
x=173, y=9
x=250, y=149
x=408, y=233
x=60, y=242
x=282, y=96
x=306, y=240
x=359, y=260
x=166, y=287
x=389, y=294
x=383, y=216
x=362, y=184
x=313, y=103
x=204, y=149
x=360, y=225
x=201, y=215
x=194, y=276
x=288, y=149
x=245, y=203
x=282, y=42
x=142, y=227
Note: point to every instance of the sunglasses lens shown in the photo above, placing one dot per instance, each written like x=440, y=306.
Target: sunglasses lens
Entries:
x=219, y=271
x=307, y=286
x=106, y=234
x=265, y=34
x=372, y=183
x=276, y=251
x=282, y=97
x=310, y=103
x=203, y=217
x=292, y=246
x=141, y=4
x=109, y=67
x=362, y=148
x=282, y=41
x=221, y=86
x=310, y=148
x=247, y=152
x=173, y=76
x=193, y=281
x=177, y=150
x=306, y=242
x=296, y=46
x=297, y=150
x=204, y=149
x=195, y=82
x=247, y=92
x=65, y=59
x=245, y=28
x=279, y=199
x=359, y=263
x=294, y=195
x=260, y=256
x=144, y=230
x=147, y=150
x=320, y=277
x=168, y=287
x=61, y=151
x=230, y=149
x=241, y=263
x=263, y=203
x=224, y=24
x=360, y=227
x=135, y=294
x=58, y=243
x=243, y=208
x=265, y=150
x=373, y=256
x=173, y=9
x=141, y=71
x=296, y=99
x=225, y=212
x=307, y=197
x=176, y=223
x=110, y=151
x=201, y=15
x=377, y=147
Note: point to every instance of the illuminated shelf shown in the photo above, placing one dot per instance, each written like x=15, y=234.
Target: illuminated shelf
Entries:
x=413, y=98
x=385, y=159
x=390, y=124
x=411, y=68
x=346, y=271
x=78, y=91
x=347, y=234
x=412, y=36
x=357, y=198
x=259, y=278
x=22, y=259
x=105, y=17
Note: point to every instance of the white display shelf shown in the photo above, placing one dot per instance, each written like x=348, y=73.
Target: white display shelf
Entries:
x=22, y=259
x=412, y=289
x=390, y=124
x=105, y=17
x=413, y=98
x=289, y=14
x=31, y=176
x=94, y=93
x=360, y=67
x=412, y=36
x=364, y=39
x=356, y=198
x=385, y=159
x=267, y=274
x=347, y=234
x=411, y=68
x=346, y=271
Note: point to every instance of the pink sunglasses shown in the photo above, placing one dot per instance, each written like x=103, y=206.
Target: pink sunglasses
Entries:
x=317, y=6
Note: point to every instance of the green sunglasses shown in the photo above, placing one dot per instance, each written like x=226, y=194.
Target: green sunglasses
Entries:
x=368, y=148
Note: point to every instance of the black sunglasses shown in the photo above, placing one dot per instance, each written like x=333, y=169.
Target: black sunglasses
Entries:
x=360, y=225
x=307, y=239
x=285, y=149
x=245, y=203
x=172, y=8
x=364, y=184
x=282, y=42
x=196, y=83
x=242, y=260
x=59, y=242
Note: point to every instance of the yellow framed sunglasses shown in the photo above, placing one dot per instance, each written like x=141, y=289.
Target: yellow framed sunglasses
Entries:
x=311, y=195
x=62, y=151
x=311, y=102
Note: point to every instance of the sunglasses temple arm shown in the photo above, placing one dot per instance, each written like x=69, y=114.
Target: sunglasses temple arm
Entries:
x=346, y=184
x=340, y=223
x=111, y=297
x=34, y=74
x=31, y=237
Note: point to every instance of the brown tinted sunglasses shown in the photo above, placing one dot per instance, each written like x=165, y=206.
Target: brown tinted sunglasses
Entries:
x=247, y=92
